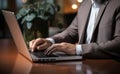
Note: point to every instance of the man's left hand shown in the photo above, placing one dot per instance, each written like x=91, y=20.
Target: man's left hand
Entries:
x=67, y=48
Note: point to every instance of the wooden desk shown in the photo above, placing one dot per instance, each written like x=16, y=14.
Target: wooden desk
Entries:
x=12, y=62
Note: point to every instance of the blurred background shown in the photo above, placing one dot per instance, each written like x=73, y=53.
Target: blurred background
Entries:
x=56, y=14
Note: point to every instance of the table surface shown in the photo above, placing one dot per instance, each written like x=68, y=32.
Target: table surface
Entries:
x=12, y=62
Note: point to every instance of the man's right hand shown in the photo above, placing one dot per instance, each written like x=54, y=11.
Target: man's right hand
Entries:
x=39, y=44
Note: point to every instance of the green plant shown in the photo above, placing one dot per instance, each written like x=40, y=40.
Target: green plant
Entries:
x=40, y=9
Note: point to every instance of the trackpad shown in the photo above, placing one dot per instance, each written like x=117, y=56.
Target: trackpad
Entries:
x=59, y=54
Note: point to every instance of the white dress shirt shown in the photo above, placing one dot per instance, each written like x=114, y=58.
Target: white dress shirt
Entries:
x=92, y=19
x=93, y=15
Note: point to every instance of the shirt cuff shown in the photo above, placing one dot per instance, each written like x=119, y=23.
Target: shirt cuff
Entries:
x=51, y=40
x=78, y=50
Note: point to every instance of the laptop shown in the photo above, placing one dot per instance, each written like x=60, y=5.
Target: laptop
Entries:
x=23, y=49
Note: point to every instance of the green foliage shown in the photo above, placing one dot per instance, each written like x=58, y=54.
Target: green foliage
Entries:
x=37, y=9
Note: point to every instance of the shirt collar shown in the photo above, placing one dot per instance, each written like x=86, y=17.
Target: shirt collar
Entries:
x=94, y=4
x=92, y=1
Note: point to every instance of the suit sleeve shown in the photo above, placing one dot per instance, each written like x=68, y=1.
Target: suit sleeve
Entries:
x=109, y=49
x=70, y=35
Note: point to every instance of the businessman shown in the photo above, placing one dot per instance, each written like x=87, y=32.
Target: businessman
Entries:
x=94, y=33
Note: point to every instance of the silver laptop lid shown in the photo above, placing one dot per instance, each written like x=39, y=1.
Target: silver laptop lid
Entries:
x=16, y=33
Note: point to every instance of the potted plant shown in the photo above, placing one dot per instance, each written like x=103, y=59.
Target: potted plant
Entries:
x=34, y=18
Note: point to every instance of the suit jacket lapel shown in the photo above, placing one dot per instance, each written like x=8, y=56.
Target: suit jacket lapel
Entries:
x=101, y=11
x=84, y=15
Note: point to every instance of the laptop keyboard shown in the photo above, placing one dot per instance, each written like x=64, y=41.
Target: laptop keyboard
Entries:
x=41, y=55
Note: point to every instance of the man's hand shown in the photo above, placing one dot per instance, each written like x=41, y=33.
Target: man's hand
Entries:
x=39, y=44
x=62, y=47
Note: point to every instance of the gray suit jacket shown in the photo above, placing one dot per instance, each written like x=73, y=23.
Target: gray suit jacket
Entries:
x=106, y=36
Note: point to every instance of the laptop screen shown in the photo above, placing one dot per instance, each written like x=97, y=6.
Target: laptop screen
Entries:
x=17, y=35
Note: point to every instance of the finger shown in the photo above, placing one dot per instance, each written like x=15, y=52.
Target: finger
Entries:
x=43, y=46
x=31, y=43
x=51, y=49
x=48, y=49
x=36, y=43
x=56, y=49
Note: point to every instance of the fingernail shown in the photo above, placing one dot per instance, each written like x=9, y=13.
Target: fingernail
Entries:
x=32, y=50
x=45, y=53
